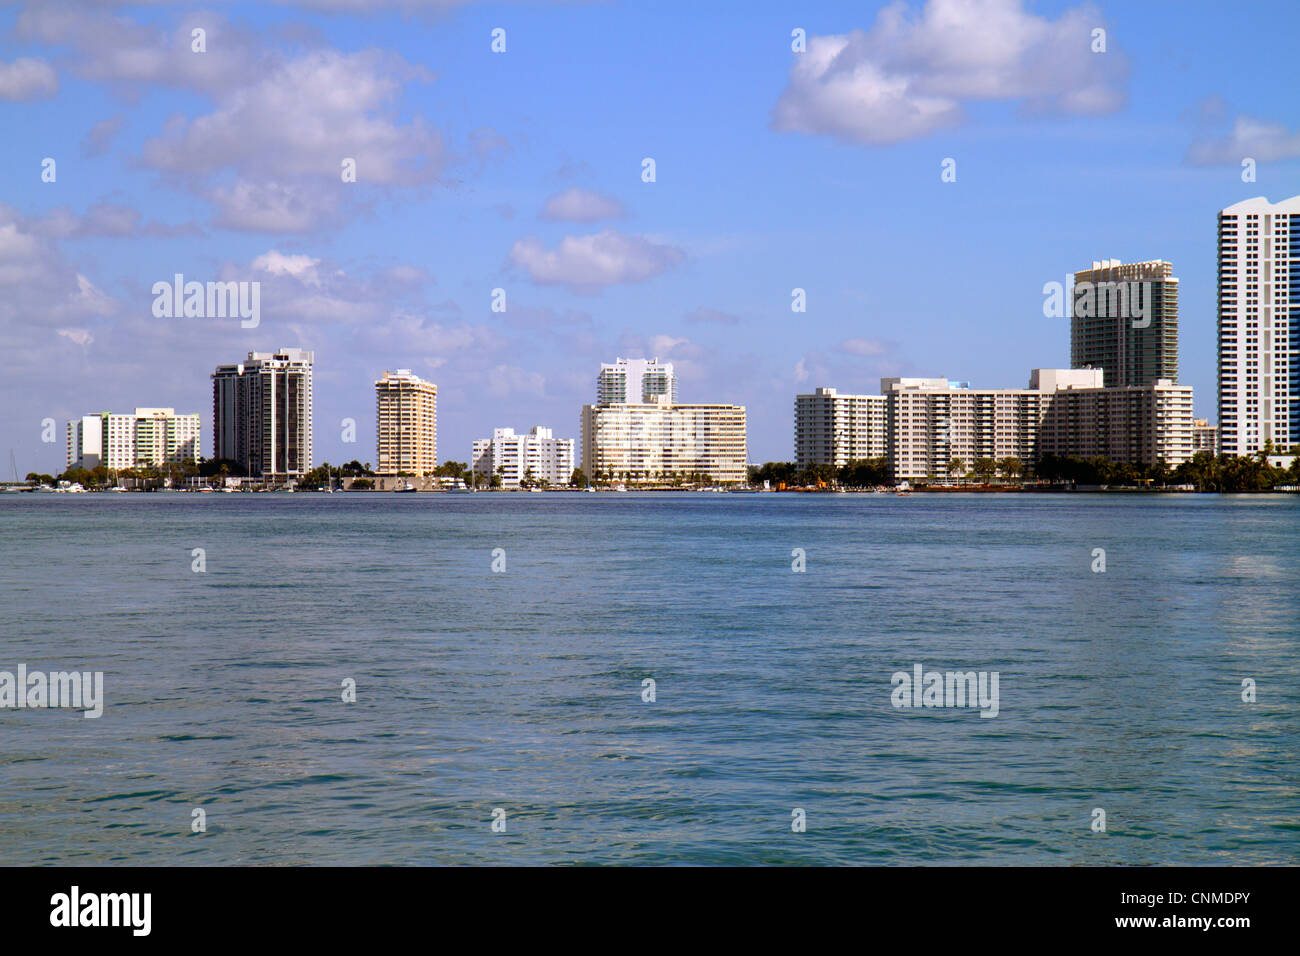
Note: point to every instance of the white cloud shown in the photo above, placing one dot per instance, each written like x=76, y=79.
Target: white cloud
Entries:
x=38, y=287
x=1259, y=140
x=507, y=380
x=119, y=51
x=27, y=78
x=302, y=268
x=868, y=348
x=81, y=337
x=115, y=220
x=272, y=207
x=909, y=76
x=587, y=263
x=581, y=205
x=303, y=120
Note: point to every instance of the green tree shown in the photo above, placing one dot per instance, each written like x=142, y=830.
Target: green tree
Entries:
x=579, y=478
x=984, y=469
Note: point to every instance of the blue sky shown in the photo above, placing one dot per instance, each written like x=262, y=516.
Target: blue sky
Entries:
x=522, y=171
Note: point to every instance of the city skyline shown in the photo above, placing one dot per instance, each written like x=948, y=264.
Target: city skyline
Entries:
x=758, y=191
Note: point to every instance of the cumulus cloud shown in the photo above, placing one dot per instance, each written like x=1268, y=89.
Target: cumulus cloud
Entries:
x=38, y=286
x=272, y=207
x=588, y=263
x=276, y=263
x=1259, y=140
x=127, y=54
x=106, y=220
x=303, y=119
x=581, y=205
x=27, y=78
x=81, y=337
x=100, y=138
x=507, y=380
x=909, y=76
x=867, y=348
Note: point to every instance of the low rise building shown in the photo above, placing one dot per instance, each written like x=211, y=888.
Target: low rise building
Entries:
x=537, y=456
x=148, y=437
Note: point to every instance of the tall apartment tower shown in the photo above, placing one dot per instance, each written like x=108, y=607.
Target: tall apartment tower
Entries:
x=835, y=429
x=635, y=381
x=1259, y=326
x=407, y=424
x=262, y=413
x=1124, y=320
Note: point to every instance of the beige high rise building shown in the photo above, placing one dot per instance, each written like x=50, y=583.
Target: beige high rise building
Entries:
x=407, y=424
x=647, y=441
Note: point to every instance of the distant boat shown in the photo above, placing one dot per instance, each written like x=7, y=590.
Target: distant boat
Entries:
x=404, y=488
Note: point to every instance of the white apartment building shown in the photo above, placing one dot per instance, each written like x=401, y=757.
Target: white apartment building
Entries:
x=931, y=421
x=1134, y=424
x=1067, y=412
x=262, y=413
x=653, y=440
x=406, y=411
x=513, y=456
x=148, y=436
x=834, y=429
x=635, y=381
x=1259, y=325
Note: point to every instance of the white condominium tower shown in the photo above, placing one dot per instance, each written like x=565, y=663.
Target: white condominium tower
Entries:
x=262, y=413
x=931, y=421
x=407, y=425
x=636, y=430
x=1259, y=326
x=635, y=381
x=835, y=429
x=660, y=440
x=538, y=454
x=146, y=437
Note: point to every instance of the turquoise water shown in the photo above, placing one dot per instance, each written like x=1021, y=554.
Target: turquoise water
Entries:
x=523, y=690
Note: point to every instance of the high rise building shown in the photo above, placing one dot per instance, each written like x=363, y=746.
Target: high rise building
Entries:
x=514, y=457
x=637, y=429
x=1131, y=424
x=1259, y=326
x=1124, y=320
x=931, y=421
x=659, y=439
x=835, y=429
x=147, y=437
x=635, y=381
x=262, y=413
x=1066, y=412
x=407, y=424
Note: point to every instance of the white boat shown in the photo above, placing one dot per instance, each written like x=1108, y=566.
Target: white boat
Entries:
x=404, y=487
